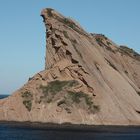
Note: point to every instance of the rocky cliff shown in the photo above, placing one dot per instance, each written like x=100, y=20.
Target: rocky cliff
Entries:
x=88, y=79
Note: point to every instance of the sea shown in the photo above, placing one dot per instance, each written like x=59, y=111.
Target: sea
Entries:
x=28, y=131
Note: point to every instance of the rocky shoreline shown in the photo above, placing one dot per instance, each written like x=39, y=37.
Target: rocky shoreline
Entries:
x=71, y=127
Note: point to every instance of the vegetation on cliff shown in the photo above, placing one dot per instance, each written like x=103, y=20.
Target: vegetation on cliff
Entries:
x=64, y=94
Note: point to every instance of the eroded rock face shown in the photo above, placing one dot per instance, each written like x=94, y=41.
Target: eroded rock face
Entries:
x=88, y=79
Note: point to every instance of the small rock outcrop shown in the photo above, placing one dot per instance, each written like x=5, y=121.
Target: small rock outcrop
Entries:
x=88, y=79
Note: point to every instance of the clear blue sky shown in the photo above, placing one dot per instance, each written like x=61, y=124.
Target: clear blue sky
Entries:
x=22, y=33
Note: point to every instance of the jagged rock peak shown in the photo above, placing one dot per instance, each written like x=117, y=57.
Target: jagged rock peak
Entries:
x=49, y=14
x=88, y=80
x=62, y=33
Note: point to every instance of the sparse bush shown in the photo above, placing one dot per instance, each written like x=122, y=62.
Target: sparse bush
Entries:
x=66, y=21
x=49, y=100
x=27, y=94
x=69, y=23
x=94, y=108
x=30, y=78
x=55, y=87
x=99, y=40
x=77, y=96
x=125, y=48
x=68, y=97
x=28, y=104
x=72, y=83
x=68, y=110
x=65, y=34
x=126, y=71
x=108, y=43
x=129, y=51
x=27, y=99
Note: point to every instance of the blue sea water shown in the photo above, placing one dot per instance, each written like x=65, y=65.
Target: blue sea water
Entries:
x=14, y=131
x=3, y=96
x=8, y=132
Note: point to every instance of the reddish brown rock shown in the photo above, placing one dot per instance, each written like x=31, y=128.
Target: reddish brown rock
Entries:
x=88, y=79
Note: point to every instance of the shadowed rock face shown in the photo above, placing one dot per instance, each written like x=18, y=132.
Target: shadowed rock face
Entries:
x=88, y=79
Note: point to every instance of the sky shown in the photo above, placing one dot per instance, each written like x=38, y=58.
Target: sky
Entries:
x=22, y=32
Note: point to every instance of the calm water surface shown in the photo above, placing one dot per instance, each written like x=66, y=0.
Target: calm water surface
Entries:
x=13, y=131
